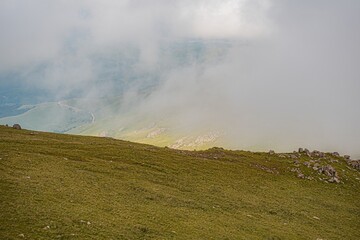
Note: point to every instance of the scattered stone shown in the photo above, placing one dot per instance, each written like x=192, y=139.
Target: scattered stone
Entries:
x=307, y=164
x=315, y=153
x=296, y=162
x=334, y=180
x=301, y=150
x=315, y=217
x=335, y=154
x=347, y=157
x=293, y=156
x=47, y=227
x=355, y=164
x=301, y=175
x=282, y=156
x=21, y=235
x=17, y=126
x=266, y=169
x=271, y=152
x=307, y=152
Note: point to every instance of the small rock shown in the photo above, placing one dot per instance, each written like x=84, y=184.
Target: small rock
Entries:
x=307, y=152
x=300, y=175
x=315, y=217
x=315, y=153
x=17, y=126
x=301, y=150
x=295, y=170
x=336, y=154
x=271, y=152
x=334, y=180
x=21, y=235
x=347, y=157
x=355, y=164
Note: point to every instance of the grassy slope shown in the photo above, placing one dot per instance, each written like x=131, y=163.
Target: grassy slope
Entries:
x=55, y=186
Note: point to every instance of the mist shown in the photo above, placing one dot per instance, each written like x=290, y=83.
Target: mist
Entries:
x=283, y=75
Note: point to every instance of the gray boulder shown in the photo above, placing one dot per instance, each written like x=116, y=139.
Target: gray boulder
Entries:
x=328, y=170
x=17, y=126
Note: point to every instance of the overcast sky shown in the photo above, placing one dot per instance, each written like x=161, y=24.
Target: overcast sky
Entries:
x=290, y=78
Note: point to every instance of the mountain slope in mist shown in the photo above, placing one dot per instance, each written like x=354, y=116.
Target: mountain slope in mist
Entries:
x=115, y=112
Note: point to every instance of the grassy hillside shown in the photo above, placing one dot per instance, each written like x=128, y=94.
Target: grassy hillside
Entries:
x=55, y=186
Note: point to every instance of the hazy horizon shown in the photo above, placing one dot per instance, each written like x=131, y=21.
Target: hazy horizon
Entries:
x=274, y=74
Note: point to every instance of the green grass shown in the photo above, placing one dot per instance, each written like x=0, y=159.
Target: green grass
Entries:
x=56, y=186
